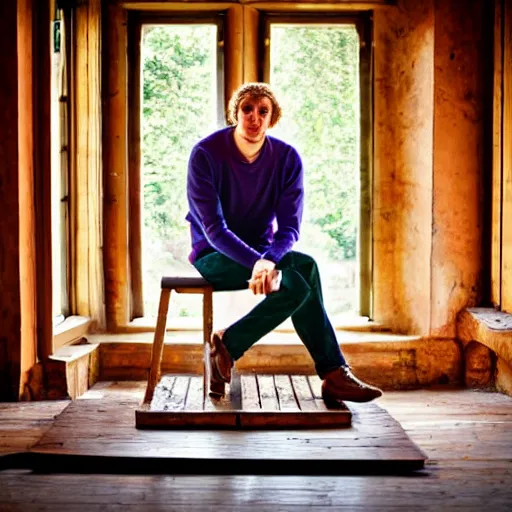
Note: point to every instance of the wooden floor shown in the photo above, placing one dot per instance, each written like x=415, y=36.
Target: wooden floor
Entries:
x=467, y=436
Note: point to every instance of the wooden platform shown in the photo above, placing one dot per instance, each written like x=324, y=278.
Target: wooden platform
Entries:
x=98, y=434
x=252, y=401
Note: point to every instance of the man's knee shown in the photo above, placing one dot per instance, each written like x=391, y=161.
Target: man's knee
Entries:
x=295, y=259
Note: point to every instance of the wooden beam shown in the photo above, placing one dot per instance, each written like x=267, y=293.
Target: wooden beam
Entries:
x=43, y=178
x=275, y=6
x=27, y=218
x=251, y=52
x=115, y=167
x=506, y=269
x=497, y=161
x=366, y=162
x=10, y=300
x=80, y=191
x=233, y=47
x=134, y=172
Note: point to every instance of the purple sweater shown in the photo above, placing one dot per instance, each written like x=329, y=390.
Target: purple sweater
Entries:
x=234, y=205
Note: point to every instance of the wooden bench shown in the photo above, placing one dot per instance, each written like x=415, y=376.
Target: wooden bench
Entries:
x=486, y=336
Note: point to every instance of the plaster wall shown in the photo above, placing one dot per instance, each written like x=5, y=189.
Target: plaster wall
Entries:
x=429, y=133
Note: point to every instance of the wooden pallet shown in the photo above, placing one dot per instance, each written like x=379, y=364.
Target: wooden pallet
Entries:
x=251, y=401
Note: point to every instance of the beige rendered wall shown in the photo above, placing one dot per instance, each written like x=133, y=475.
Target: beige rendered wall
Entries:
x=403, y=168
x=428, y=163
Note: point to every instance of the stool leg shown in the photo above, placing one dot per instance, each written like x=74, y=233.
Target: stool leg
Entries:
x=158, y=345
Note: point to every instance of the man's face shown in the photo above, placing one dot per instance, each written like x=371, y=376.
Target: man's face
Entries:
x=254, y=116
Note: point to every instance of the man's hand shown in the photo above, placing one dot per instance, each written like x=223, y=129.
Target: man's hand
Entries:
x=265, y=277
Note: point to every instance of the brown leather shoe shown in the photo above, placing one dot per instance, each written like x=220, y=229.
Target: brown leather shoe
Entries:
x=342, y=385
x=221, y=364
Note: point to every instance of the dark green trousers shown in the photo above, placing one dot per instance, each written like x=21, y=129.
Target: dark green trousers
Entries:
x=300, y=297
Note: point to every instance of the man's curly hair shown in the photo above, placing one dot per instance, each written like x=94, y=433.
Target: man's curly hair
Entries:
x=253, y=90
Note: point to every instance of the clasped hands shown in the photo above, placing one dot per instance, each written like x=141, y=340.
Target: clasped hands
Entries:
x=265, y=277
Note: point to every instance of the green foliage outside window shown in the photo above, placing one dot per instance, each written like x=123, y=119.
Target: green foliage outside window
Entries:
x=314, y=72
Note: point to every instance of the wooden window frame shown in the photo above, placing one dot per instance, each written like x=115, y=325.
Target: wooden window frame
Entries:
x=363, y=24
x=501, y=193
x=136, y=20
x=241, y=64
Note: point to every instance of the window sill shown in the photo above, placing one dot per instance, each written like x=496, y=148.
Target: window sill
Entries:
x=72, y=329
x=145, y=324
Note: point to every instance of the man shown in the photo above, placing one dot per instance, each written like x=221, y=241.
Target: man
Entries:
x=241, y=182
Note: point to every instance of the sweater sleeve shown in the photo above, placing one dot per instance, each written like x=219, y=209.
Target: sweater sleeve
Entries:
x=289, y=210
x=206, y=207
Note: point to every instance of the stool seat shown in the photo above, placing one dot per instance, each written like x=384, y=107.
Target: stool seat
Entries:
x=171, y=282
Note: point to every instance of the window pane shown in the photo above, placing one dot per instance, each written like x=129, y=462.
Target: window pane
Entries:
x=179, y=107
x=314, y=71
x=59, y=169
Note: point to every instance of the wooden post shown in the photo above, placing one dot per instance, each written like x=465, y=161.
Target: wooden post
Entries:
x=43, y=181
x=233, y=44
x=497, y=161
x=115, y=168
x=506, y=269
x=251, y=44
x=134, y=173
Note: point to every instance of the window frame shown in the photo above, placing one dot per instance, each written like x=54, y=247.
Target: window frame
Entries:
x=136, y=21
x=363, y=24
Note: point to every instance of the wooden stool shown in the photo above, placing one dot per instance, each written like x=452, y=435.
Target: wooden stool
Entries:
x=179, y=285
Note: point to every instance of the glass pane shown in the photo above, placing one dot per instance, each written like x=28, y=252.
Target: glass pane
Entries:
x=314, y=71
x=179, y=107
x=59, y=171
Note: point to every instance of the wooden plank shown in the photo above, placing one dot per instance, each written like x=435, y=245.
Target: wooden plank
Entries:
x=267, y=391
x=22, y=424
x=115, y=167
x=162, y=393
x=506, y=268
x=250, y=395
x=179, y=394
x=295, y=420
x=497, y=160
x=195, y=397
x=303, y=393
x=285, y=393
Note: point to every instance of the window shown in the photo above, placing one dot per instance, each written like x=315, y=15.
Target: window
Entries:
x=177, y=95
x=181, y=101
x=314, y=69
x=59, y=166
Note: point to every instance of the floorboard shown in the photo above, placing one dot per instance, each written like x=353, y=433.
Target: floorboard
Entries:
x=461, y=478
